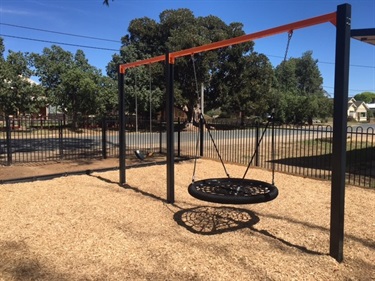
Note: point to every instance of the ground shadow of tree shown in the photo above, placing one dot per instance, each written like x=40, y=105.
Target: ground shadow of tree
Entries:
x=19, y=263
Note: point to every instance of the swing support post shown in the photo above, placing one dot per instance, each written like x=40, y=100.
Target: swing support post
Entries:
x=122, y=144
x=169, y=69
x=339, y=131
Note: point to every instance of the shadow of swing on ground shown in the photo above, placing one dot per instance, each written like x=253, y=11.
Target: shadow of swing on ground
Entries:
x=207, y=220
x=215, y=220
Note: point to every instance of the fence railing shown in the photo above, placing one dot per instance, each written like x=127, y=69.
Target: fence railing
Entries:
x=301, y=150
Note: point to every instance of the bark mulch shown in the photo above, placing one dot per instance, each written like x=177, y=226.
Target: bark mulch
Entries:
x=87, y=227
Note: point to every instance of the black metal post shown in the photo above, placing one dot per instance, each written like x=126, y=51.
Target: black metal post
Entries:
x=257, y=128
x=343, y=25
x=170, y=128
x=161, y=136
x=201, y=135
x=104, y=138
x=178, y=137
x=61, y=140
x=122, y=145
x=9, y=141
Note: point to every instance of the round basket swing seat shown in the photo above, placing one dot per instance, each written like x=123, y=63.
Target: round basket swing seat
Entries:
x=233, y=191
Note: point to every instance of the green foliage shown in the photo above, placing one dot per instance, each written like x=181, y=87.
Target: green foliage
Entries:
x=2, y=48
x=301, y=95
x=18, y=94
x=237, y=80
x=72, y=84
x=367, y=97
x=177, y=30
x=250, y=81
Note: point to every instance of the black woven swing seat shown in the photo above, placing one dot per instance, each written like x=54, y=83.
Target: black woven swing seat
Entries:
x=233, y=191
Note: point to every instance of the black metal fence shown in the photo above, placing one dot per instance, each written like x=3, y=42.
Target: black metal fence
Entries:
x=301, y=150
x=39, y=140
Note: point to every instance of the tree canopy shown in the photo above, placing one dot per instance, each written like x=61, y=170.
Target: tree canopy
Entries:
x=367, y=97
x=72, y=84
x=238, y=81
x=18, y=93
x=300, y=90
x=180, y=29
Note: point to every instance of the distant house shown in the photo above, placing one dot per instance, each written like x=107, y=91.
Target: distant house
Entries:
x=371, y=107
x=357, y=110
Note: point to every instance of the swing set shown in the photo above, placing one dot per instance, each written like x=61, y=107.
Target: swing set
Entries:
x=242, y=191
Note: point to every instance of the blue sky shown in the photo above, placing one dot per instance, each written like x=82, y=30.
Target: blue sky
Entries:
x=91, y=18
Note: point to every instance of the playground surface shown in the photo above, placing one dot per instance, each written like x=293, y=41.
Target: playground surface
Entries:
x=87, y=227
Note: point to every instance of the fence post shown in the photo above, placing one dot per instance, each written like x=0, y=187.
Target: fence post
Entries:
x=178, y=137
x=257, y=128
x=61, y=142
x=104, y=138
x=160, y=136
x=201, y=135
x=9, y=142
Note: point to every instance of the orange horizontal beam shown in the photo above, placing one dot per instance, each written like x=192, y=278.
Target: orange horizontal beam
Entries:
x=331, y=17
x=249, y=37
x=125, y=66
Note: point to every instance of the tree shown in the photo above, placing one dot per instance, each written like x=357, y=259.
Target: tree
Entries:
x=367, y=97
x=18, y=94
x=2, y=49
x=308, y=75
x=245, y=86
x=49, y=66
x=72, y=84
x=180, y=29
x=107, y=97
x=300, y=86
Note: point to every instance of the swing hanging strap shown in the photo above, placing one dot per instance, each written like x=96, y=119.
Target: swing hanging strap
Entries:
x=290, y=34
x=270, y=120
x=213, y=142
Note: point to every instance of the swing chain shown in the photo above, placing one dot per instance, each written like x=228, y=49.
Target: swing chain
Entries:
x=195, y=76
x=290, y=34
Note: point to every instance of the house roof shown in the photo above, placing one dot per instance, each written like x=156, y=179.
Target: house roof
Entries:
x=356, y=104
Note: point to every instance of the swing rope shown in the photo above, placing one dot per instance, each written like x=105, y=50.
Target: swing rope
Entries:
x=270, y=120
x=290, y=34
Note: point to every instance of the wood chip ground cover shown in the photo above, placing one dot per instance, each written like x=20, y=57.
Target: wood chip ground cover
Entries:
x=87, y=227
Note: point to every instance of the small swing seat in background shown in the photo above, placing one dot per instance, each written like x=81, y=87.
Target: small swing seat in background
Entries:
x=142, y=156
x=233, y=191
